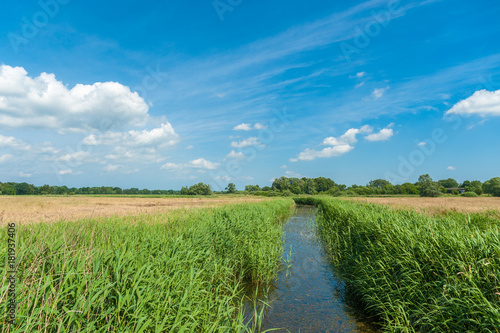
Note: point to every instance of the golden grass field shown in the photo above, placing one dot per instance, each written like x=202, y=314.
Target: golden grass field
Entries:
x=439, y=205
x=29, y=209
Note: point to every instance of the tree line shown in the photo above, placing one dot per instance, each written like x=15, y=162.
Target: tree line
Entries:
x=12, y=188
x=283, y=186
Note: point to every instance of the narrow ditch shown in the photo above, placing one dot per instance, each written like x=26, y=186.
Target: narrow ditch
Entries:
x=308, y=296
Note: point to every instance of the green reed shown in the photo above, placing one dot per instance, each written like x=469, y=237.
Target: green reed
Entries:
x=182, y=271
x=413, y=272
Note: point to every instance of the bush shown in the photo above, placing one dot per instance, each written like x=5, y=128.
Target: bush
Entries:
x=470, y=194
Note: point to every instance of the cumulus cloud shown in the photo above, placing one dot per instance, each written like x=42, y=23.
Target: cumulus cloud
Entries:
x=383, y=135
x=359, y=85
x=249, y=127
x=76, y=158
x=235, y=155
x=344, y=143
x=422, y=143
x=243, y=127
x=483, y=103
x=451, y=168
x=349, y=137
x=312, y=154
x=24, y=175
x=253, y=141
x=69, y=172
x=45, y=102
x=378, y=93
x=12, y=142
x=111, y=167
x=5, y=158
x=358, y=75
x=200, y=163
x=293, y=174
x=161, y=137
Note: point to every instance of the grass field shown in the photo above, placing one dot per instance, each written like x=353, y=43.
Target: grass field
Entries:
x=435, y=206
x=28, y=209
x=181, y=271
x=414, y=272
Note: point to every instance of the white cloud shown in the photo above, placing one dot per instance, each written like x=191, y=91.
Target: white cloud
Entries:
x=224, y=178
x=451, y=168
x=349, y=137
x=243, y=127
x=202, y=163
x=24, y=175
x=5, y=158
x=45, y=102
x=236, y=155
x=292, y=174
x=161, y=137
x=311, y=154
x=69, y=172
x=253, y=141
x=199, y=163
x=358, y=75
x=383, y=135
x=76, y=158
x=190, y=147
x=284, y=166
x=344, y=144
x=111, y=167
x=248, y=127
x=12, y=142
x=378, y=93
x=422, y=143
x=359, y=85
x=482, y=103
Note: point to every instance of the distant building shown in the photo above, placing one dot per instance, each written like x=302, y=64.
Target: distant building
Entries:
x=451, y=189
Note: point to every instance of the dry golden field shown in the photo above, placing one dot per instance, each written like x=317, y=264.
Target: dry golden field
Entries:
x=437, y=205
x=29, y=209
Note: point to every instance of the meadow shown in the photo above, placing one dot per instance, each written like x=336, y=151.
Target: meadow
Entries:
x=182, y=271
x=416, y=272
x=36, y=208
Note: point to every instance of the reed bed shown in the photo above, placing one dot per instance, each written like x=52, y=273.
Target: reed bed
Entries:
x=414, y=272
x=184, y=271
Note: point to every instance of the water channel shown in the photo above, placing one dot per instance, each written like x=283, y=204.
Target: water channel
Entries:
x=308, y=295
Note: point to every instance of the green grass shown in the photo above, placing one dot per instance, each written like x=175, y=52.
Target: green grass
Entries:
x=416, y=273
x=184, y=271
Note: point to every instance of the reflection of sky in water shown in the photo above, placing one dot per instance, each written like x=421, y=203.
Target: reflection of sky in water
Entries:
x=305, y=297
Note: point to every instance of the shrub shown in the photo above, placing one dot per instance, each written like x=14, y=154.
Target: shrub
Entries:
x=470, y=194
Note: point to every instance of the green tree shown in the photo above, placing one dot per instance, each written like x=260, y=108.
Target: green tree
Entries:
x=492, y=186
x=231, y=188
x=378, y=183
x=450, y=182
x=428, y=187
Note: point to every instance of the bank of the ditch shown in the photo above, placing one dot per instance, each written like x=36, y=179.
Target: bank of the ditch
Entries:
x=183, y=271
x=413, y=272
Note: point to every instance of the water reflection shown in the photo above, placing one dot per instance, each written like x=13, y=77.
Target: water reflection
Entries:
x=307, y=294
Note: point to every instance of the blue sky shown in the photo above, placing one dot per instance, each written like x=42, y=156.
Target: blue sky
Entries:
x=166, y=94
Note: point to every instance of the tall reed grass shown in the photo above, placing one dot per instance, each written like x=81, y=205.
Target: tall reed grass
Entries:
x=183, y=271
x=413, y=272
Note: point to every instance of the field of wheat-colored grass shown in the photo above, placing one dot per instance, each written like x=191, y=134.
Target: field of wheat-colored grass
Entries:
x=29, y=209
x=436, y=206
